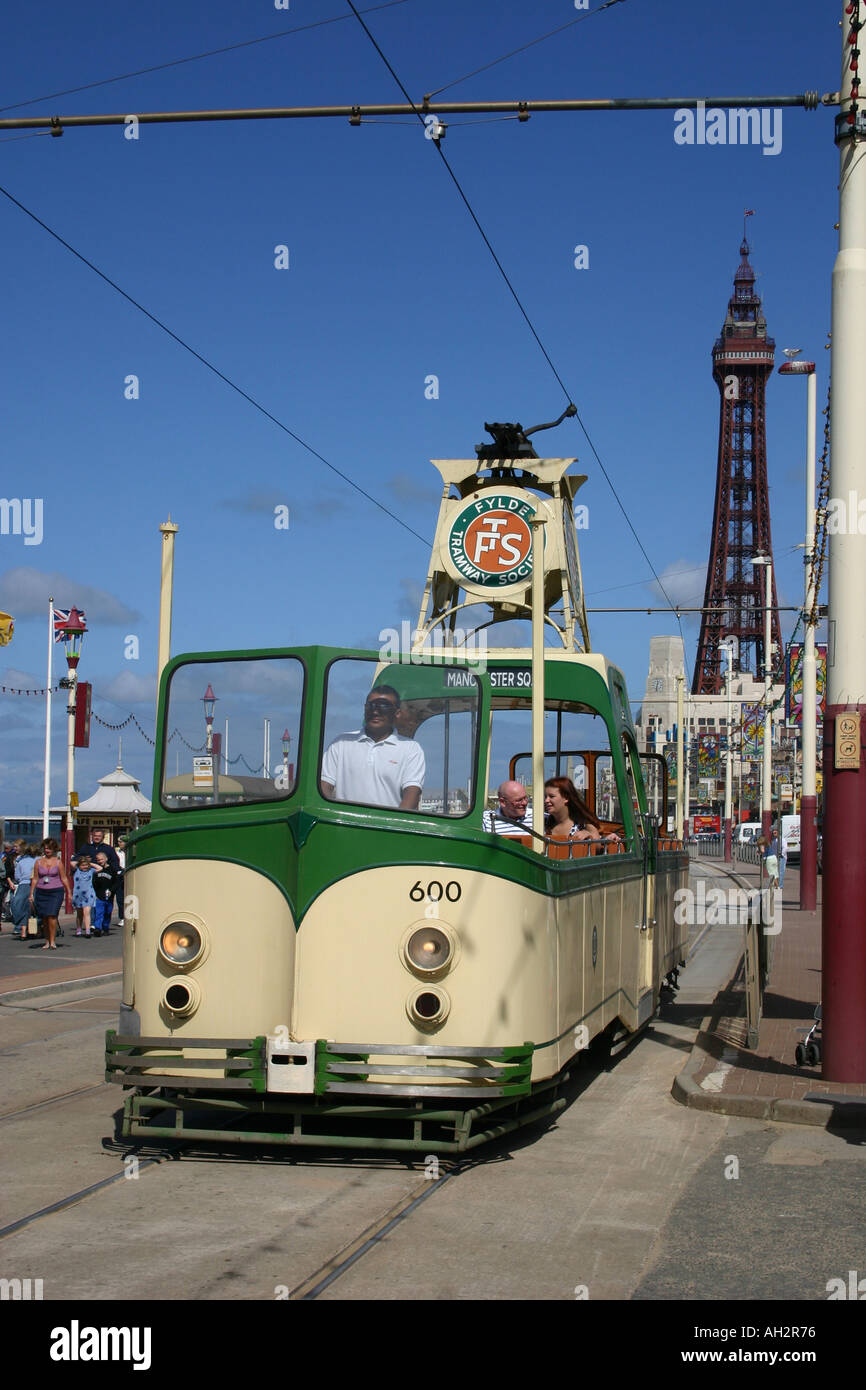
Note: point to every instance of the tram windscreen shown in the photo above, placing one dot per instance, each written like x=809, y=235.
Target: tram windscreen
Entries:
x=404, y=739
x=231, y=732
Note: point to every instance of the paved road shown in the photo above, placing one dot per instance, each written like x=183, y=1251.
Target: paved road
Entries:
x=626, y=1196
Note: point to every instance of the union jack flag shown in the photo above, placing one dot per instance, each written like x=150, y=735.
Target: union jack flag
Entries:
x=61, y=617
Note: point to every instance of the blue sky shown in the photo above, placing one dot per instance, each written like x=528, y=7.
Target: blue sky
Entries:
x=388, y=283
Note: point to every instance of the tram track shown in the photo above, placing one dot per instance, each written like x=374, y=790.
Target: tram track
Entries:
x=72, y=1199
x=329, y=1272
x=52, y=1100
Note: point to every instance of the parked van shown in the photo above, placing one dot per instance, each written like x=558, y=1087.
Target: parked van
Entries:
x=791, y=838
x=747, y=833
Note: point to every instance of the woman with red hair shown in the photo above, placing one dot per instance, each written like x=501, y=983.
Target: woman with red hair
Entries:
x=567, y=815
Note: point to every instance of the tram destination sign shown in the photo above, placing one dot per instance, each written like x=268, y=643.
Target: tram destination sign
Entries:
x=512, y=678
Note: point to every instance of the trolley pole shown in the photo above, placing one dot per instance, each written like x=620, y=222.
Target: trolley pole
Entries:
x=538, y=525
x=844, y=886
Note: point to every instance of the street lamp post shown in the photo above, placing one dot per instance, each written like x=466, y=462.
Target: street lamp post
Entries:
x=767, y=776
x=808, y=798
x=209, y=700
x=72, y=631
x=728, y=646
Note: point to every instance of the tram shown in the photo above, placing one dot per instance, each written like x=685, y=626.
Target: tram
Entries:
x=307, y=961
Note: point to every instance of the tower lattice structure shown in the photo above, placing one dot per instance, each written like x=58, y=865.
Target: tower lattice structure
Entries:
x=734, y=596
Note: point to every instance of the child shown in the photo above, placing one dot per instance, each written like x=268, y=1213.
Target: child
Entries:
x=83, y=896
x=103, y=887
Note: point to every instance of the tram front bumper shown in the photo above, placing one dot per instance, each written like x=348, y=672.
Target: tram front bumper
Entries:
x=277, y=1066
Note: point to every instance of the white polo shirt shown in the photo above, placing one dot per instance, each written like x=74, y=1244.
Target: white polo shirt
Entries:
x=373, y=773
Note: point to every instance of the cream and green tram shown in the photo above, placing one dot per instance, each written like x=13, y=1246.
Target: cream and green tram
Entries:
x=304, y=968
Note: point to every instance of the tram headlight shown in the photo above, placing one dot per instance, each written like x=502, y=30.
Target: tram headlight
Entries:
x=428, y=949
x=181, y=944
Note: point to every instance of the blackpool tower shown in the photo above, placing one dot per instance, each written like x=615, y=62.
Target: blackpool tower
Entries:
x=734, y=596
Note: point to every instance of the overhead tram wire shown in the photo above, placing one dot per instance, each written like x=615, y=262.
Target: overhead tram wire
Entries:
x=216, y=371
x=197, y=57
x=522, y=49
x=531, y=326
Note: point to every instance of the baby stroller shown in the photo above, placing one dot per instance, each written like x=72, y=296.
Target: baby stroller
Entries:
x=808, y=1052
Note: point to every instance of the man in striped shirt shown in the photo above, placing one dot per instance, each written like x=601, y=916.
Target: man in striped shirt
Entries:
x=514, y=815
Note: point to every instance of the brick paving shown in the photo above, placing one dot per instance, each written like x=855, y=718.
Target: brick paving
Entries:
x=726, y=1075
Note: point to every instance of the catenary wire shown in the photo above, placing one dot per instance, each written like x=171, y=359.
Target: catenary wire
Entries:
x=196, y=57
x=525, y=315
x=522, y=49
x=216, y=371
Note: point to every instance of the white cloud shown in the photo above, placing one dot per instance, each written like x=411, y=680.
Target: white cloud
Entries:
x=683, y=582
x=24, y=592
x=128, y=687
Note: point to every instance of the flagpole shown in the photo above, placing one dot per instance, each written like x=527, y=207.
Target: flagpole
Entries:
x=46, y=791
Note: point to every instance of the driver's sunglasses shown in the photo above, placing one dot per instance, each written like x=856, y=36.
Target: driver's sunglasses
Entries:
x=380, y=706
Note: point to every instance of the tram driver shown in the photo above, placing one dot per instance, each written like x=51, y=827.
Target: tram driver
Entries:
x=375, y=766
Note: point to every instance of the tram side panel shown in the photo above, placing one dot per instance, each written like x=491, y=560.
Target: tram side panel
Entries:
x=672, y=876
x=599, y=961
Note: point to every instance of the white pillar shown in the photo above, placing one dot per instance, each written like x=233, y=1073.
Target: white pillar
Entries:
x=169, y=531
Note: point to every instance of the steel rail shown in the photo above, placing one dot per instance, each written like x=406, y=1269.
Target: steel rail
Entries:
x=329, y=1272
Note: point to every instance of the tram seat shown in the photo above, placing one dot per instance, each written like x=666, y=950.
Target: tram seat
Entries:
x=571, y=849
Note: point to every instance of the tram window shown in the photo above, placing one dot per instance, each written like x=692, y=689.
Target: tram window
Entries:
x=607, y=805
x=427, y=729
x=633, y=779
x=653, y=767
x=569, y=732
x=249, y=751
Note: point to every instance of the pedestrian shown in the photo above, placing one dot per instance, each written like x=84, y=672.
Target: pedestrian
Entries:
x=22, y=871
x=103, y=887
x=4, y=885
x=118, y=883
x=10, y=854
x=770, y=861
x=83, y=896
x=779, y=847
x=96, y=843
x=47, y=887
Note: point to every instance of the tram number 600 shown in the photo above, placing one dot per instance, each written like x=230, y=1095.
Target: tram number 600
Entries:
x=436, y=891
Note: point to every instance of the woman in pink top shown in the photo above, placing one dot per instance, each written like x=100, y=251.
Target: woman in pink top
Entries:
x=47, y=888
